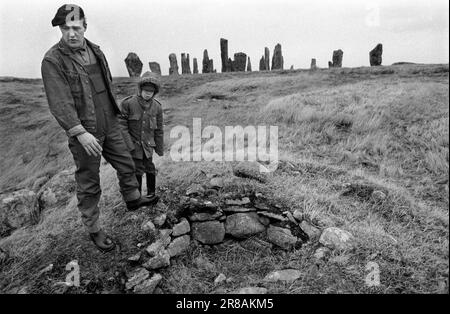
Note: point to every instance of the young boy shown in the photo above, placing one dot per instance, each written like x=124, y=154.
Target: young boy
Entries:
x=141, y=122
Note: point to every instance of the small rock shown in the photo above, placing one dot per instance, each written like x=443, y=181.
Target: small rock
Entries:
x=211, y=193
x=208, y=232
x=160, y=220
x=321, y=253
x=241, y=202
x=261, y=205
x=135, y=258
x=195, y=190
x=157, y=246
x=378, y=196
x=298, y=214
x=335, y=238
x=281, y=237
x=273, y=216
x=162, y=259
x=238, y=209
x=286, y=275
x=197, y=217
x=198, y=206
x=243, y=225
x=216, y=183
x=138, y=276
x=148, y=227
x=204, y=264
x=179, y=245
x=181, y=228
x=256, y=245
x=290, y=217
x=264, y=220
x=312, y=232
x=148, y=286
x=221, y=278
x=251, y=290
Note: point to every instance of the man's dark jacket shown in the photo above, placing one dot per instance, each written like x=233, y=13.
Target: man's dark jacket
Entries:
x=68, y=88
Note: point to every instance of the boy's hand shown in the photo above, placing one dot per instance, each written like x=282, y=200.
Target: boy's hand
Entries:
x=90, y=144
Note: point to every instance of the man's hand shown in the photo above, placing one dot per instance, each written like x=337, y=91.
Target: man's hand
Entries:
x=90, y=144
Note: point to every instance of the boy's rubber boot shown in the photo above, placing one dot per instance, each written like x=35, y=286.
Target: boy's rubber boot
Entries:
x=151, y=187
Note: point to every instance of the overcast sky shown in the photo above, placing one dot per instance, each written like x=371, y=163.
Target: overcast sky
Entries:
x=415, y=31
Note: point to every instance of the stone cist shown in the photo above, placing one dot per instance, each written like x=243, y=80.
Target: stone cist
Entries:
x=142, y=128
x=78, y=85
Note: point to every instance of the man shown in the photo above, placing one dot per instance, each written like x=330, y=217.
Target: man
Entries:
x=142, y=129
x=78, y=85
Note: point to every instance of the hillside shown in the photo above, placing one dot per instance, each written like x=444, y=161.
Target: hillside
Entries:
x=343, y=133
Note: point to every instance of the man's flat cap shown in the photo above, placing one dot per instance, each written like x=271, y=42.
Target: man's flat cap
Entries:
x=71, y=12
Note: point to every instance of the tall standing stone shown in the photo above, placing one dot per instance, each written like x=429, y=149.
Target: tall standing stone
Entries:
x=337, y=58
x=195, y=65
x=249, y=65
x=240, y=59
x=185, y=64
x=231, y=65
x=375, y=55
x=262, y=64
x=173, y=70
x=277, y=58
x=134, y=65
x=155, y=67
x=313, y=64
x=226, y=65
x=266, y=59
x=207, y=63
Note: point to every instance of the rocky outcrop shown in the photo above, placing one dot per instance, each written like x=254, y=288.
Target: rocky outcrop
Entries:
x=155, y=67
x=134, y=65
x=277, y=58
x=240, y=60
x=195, y=65
x=375, y=55
x=185, y=64
x=173, y=69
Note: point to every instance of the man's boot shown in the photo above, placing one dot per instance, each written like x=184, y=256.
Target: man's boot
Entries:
x=151, y=187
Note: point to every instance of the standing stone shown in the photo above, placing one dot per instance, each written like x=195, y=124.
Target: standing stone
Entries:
x=291, y=68
x=134, y=65
x=313, y=64
x=337, y=58
x=249, y=65
x=266, y=59
x=195, y=66
x=231, y=65
x=185, y=64
x=262, y=64
x=376, y=55
x=226, y=65
x=240, y=60
x=154, y=67
x=277, y=58
x=173, y=70
x=330, y=64
x=208, y=64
